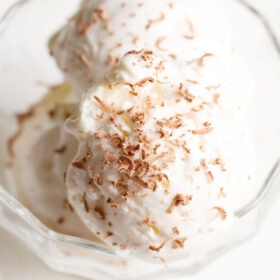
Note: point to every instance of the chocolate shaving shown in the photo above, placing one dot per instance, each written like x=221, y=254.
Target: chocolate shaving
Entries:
x=161, y=133
x=173, y=56
x=138, y=118
x=217, y=161
x=140, y=83
x=179, y=243
x=152, y=185
x=208, y=173
x=60, y=220
x=99, y=178
x=79, y=164
x=216, y=97
x=136, y=52
x=135, y=39
x=131, y=149
x=203, y=163
x=121, y=185
x=109, y=157
x=188, y=37
x=210, y=176
x=82, y=163
x=102, y=13
x=100, y=212
x=155, y=148
x=206, y=124
x=179, y=199
x=202, y=131
x=221, y=192
x=191, y=28
x=159, y=41
x=192, y=82
x=84, y=200
x=112, y=203
x=146, y=221
x=102, y=104
x=154, y=21
x=159, y=68
x=186, y=149
x=222, y=212
x=99, y=14
x=174, y=122
x=185, y=93
x=141, y=167
x=202, y=59
x=140, y=182
x=61, y=149
x=198, y=108
x=116, y=141
x=126, y=165
x=143, y=154
x=108, y=234
x=158, y=248
x=175, y=230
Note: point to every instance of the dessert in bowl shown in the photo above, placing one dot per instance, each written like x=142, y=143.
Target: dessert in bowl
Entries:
x=136, y=197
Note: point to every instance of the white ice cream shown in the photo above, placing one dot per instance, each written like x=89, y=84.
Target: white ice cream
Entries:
x=102, y=31
x=164, y=156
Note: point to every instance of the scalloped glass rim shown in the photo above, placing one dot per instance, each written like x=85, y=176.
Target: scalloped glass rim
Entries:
x=265, y=192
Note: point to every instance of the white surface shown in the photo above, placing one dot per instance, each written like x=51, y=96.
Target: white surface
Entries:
x=257, y=259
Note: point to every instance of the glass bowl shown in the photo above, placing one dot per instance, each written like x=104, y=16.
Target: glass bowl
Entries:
x=27, y=70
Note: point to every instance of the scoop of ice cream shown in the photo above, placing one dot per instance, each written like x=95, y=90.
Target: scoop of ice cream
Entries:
x=40, y=153
x=164, y=155
x=102, y=31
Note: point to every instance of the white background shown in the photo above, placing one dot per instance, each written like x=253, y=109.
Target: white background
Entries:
x=258, y=258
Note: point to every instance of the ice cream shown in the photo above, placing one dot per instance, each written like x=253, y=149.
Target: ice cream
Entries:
x=164, y=156
x=40, y=153
x=101, y=32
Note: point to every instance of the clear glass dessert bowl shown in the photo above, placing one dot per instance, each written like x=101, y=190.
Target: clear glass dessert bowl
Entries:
x=27, y=71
